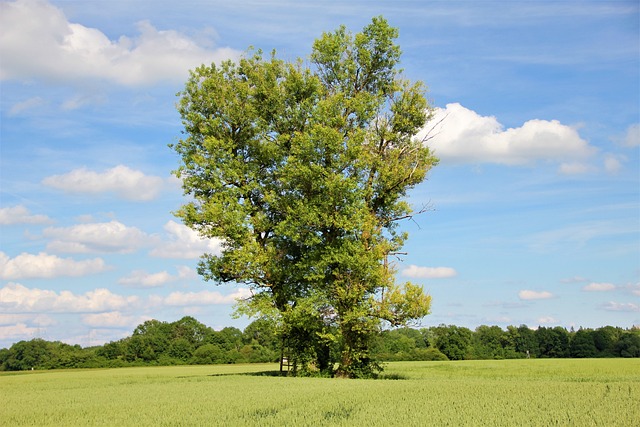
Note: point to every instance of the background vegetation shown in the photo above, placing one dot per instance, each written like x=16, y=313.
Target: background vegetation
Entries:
x=187, y=341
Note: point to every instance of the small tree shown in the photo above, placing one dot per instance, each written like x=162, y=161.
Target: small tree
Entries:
x=302, y=173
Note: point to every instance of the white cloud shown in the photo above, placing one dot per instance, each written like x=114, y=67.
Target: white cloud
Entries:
x=21, y=215
x=38, y=320
x=140, y=278
x=575, y=279
x=125, y=182
x=17, y=331
x=526, y=294
x=39, y=42
x=464, y=136
x=203, y=298
x=632, y=138
x=101, y=237
x=16, y=298
x=621, y=306
x=26, y=105
x=112, y=319
x=574, y=168
x=612, y=163
x=45, y=266
x=418, y=272
x=79, y=101
x=545, y=320
x=599, y=287
x=185, y=243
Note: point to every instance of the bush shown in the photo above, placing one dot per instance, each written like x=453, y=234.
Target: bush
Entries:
x=430, y=353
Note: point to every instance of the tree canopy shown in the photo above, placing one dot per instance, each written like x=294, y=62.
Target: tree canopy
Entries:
x=302, y=169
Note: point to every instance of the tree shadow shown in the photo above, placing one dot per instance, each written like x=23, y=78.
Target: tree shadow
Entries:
x=251, y=374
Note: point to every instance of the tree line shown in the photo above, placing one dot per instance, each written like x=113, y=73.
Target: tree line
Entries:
x=187, y=341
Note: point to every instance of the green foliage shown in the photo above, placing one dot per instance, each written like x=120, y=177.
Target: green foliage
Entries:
x=552, y=342
x=319, y=343
x=208, y=354
x=629, y=344
x=583, y=344
x=302, y=173
x=453, y=341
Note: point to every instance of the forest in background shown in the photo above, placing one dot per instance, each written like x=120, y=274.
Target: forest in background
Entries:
x=187, y=341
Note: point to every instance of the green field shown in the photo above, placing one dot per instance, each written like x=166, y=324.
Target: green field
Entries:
x=534, y=392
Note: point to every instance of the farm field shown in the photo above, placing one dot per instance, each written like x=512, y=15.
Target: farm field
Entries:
x=534, y=392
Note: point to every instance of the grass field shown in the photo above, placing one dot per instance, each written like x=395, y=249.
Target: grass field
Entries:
x=542, y=392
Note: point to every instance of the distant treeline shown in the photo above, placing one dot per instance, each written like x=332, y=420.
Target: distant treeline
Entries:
x=188, y=341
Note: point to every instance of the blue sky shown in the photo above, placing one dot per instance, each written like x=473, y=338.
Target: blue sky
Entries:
x=534, y=208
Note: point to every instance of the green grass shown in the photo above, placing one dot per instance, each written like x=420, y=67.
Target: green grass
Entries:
x=472, y=393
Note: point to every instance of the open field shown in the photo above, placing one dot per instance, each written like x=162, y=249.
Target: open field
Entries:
x=534, y=392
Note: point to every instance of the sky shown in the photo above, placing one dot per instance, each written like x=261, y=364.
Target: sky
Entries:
x=533, y=213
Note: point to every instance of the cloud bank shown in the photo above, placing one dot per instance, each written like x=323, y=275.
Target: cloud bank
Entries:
x=16, y=298
x=21, y=215
x=461, y=135
x=38, y=42
x=526, y=294
x=417, y=272
x=142, y=279
x=599, y=287
x=125, y=182
x=185, y=243
x=45, y=266
x=103, y=237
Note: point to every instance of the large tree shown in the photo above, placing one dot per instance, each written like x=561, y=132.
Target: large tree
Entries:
x=302, y=170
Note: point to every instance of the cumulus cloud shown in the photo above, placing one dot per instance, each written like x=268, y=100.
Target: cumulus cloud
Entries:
x=575, y=279
x=39, y=42
x=142, y=279
x=612, y=163
x=112, y=319
x=21, y=215
x=16, y=298
x=526, y=294
x=45, y=266
x=185, y=243
x=417, y=272
x=545, y=320
x=102, y=237
x=622, y=306
x=464, y=136
x=574, y=168
x=17, y=331
x=125, y=182
x=38, y=320
x=15, y=326
x=599, y=287
x=632, y=137
x=186, y=299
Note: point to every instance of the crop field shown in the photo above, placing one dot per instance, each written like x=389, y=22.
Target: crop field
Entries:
x=534, y=392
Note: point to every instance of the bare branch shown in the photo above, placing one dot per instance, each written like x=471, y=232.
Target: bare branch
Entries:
x=428, y=136
x=425, y=208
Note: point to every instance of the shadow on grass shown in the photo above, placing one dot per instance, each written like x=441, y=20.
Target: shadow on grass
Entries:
x=251, y=374
x=284, y=374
